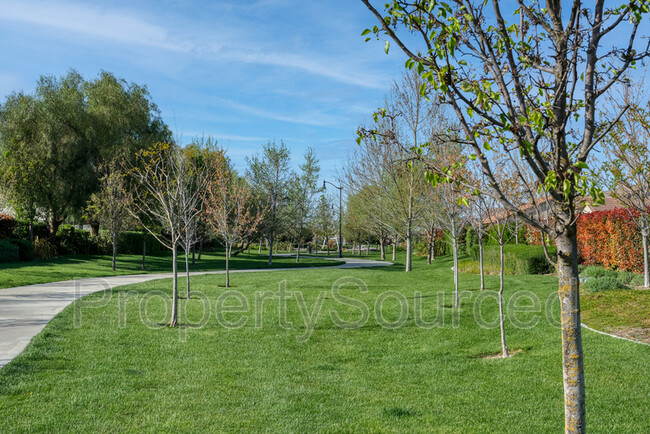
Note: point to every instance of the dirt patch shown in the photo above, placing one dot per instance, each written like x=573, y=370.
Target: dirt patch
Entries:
x=499, y=355
x=641, y=334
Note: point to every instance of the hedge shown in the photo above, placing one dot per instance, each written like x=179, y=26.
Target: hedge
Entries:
x=611, y=239
x=520, y=258
x=25, y=249
x=9, y=252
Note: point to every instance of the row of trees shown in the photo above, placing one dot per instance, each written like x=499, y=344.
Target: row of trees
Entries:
x=526, y=88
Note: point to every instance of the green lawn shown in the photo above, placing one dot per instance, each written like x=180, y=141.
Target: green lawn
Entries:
x=102, y=377
x=79, y=266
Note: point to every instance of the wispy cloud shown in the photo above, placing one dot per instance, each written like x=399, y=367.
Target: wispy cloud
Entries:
x=93, y=21
x=333, y=69
x=307, y=118
x=127, y=27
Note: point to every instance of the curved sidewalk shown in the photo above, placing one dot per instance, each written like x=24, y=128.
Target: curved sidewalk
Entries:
x=25, y=310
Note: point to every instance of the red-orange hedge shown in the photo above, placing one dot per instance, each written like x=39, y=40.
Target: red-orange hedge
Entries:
x=611, y=239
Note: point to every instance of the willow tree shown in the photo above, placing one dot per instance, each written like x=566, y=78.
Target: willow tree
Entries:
x=531, y=82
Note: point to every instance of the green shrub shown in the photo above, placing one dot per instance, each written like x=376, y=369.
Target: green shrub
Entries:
x=597, y=271
x=596, y=284
x=7, y=224
x=130, y=242
x=43, y=249
x=21, y=230
x=8, y=252
x=625, y=277
x=520, y=258
x=471, y=266
x=25, y=249
x=638, y=280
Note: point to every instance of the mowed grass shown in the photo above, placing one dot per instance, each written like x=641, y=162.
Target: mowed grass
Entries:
x=274, y=376
x=81, y=266
x=624, y=312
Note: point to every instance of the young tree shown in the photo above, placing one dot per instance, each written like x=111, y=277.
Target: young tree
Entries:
x=302, y=188
x=452, y=218
x=230, y=209
x=385, y=158
x=159, y=174
x=110, y=205
x=200, y=160
x=629, y=166
x=532, y=84
x=269, y=173
x=323, y=222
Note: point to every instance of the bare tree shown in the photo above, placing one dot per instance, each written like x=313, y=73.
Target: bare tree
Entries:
x=532, y=84
x=629, y=164
x=159, y=173
x=230, y=209
x=111, y=203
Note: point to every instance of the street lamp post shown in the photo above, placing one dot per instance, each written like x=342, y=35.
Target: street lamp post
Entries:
x=340, y=214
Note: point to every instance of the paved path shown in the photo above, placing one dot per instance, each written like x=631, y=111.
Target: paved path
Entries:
x=25, y=310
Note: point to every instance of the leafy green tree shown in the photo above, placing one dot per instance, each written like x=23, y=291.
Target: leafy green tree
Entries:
x=323, y=223
x=52, y=142
x=270, y=175
x=530, y=84
x=43, y=140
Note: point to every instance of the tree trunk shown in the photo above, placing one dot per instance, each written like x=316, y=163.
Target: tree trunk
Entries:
x=187, y=271
x=382, y=248
x=516, y=231
x=504, y=347
x=174, y=319
x=54, y=224
x=409, y=237
x=31, y=231
x=94, y=229
x=144, y=253
x=354, y=247
x=395, y=250
x=228, y=247
x=572, y=357
x=433, y=247
x=480, y=260
x=259, y=248
x=646, y=267
x=455, y=252
x=298, y=251
x=114, y=248
x=193, y=252
x=270, y=240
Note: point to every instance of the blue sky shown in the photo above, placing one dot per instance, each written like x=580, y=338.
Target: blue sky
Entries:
x=244, y=72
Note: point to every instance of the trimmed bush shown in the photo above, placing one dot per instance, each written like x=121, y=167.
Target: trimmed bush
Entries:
x=520, y=258
x=130, y=242
x=8, y=252
x=25, y=249
x=597, y=284
x=7, y=224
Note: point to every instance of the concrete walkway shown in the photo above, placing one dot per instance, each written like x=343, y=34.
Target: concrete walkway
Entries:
x=25, y=310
